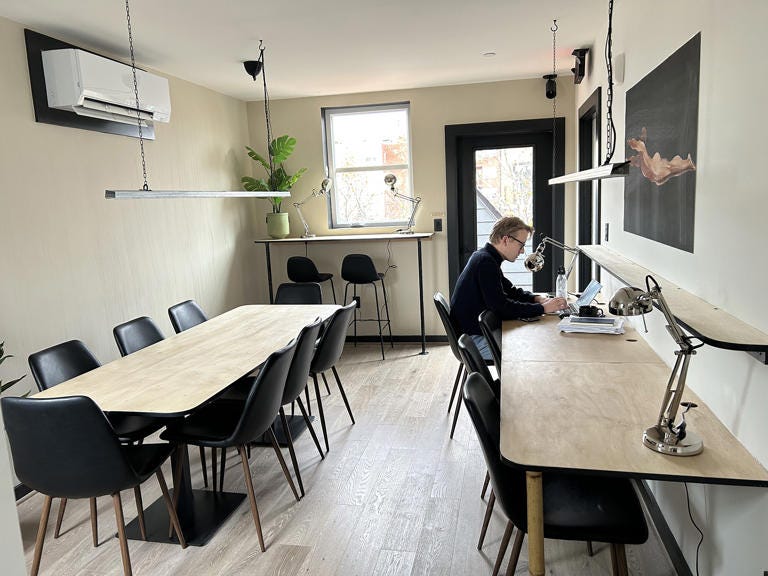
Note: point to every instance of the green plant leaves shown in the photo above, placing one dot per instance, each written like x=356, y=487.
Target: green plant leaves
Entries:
x=278, y=179
x=3, y=357
x=281, y=148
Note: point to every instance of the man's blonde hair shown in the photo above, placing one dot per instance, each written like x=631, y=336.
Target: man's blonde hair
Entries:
x=508, y=226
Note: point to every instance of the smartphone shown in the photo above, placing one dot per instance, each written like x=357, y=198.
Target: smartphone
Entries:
x=534, y=319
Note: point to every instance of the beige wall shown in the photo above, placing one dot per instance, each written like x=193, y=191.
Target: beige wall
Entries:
x=431, y=110
x=727, y=267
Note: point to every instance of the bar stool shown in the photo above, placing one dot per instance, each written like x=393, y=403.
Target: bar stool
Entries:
x=302, y=269
x=360, y=269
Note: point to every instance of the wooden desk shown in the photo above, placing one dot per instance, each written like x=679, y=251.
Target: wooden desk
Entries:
x=418, y=236
x=177, y=375
x=580, y=402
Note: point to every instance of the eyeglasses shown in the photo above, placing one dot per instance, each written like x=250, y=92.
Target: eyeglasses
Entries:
x=522, y=244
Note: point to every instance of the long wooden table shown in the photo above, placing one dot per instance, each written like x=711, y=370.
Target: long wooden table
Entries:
x=580, y=403
x=181, y=373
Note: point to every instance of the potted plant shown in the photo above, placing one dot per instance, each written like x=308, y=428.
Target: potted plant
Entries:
x=3, y=357
x=278, y=179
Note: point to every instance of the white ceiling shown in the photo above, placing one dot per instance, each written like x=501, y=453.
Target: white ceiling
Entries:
x=316, y=47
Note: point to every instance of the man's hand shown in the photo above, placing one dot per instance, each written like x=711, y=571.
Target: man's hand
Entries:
x=553, y=304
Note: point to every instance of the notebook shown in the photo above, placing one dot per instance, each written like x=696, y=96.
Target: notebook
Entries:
x=589, y=294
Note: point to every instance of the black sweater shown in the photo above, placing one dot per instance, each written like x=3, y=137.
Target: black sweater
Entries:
x=482, y=286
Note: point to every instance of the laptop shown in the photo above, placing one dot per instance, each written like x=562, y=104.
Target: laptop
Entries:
x=589, y=294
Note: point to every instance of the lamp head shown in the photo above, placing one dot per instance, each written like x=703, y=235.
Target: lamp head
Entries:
x=534, y=262
x=253, y=67
x=390, y=180
x=629, y=301
x=325, y=186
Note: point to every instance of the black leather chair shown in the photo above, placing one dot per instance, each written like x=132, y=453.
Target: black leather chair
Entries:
x=327, y=354
x=186, y=314
x=225, y=423
x=358, y=269
x=474, y=362
x=65, y=361
x=66, y=448
x=576, y=506
x=139, y=333
x=453, y=333
x=299, y=293
x=490, y=326
x=303, y=269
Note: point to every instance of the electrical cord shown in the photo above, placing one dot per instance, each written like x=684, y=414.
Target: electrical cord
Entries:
x=389, y=258
x=701, y=534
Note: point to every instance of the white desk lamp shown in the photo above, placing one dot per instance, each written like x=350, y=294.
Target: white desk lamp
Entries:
x=390, y=180
x=535, y=261
x=666, y=436
x=325, y=188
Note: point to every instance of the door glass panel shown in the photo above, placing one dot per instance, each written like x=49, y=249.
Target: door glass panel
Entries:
x=504, y=187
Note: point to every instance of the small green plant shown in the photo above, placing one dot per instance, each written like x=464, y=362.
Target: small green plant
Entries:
x=3, y=357
x=278, y=178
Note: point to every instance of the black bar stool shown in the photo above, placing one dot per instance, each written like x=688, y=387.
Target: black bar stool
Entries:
x=302, y=269
x=360, y=269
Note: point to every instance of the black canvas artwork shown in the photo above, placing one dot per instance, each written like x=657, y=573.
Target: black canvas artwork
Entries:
x=661, y=133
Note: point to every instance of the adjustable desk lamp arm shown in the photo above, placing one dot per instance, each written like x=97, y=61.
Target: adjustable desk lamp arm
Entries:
x=390, y=180
x=535, y=261
x=325, y=188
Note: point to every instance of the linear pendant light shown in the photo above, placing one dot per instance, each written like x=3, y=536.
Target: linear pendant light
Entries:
x=146, y=191
x=608, y=169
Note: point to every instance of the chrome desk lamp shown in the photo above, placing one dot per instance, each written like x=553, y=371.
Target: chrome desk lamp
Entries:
x=325, y=188
x=390, y=180
x=535, y=261
x=666, y=436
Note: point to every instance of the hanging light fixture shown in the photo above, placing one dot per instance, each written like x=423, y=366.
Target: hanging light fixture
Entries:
x=146, y=191
x=607, y=169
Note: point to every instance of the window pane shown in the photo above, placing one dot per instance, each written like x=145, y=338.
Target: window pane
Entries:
x=370, y=138
x=364, y=144
x=361, y=197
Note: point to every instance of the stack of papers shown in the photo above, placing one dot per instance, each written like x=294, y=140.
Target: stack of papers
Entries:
x=592, y=325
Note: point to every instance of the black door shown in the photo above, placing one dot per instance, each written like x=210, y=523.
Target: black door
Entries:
x=474, y=148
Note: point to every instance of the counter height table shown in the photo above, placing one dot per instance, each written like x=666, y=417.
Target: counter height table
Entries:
x=580, y=403
x=181, y=373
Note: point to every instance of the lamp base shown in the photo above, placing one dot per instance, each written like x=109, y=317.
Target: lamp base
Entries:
x=308, y=235
x=660, y=440
x=404, y=231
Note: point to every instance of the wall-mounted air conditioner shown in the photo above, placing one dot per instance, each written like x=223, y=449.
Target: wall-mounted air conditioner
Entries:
x=95, y=86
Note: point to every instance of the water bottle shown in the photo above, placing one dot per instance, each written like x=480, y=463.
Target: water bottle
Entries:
x=561, y=284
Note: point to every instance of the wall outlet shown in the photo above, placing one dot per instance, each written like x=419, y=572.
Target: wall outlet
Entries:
x=606, y=231
x=438, y=225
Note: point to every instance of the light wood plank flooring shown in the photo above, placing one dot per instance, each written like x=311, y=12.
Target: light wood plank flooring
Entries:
x=395, y=496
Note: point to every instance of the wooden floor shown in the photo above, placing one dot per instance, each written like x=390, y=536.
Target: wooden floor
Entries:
x=394, y=496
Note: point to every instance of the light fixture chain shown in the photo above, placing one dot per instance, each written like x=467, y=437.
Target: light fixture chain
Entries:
x=136, y=94
x=267, y=118
x=554, y=100
x=611, y=128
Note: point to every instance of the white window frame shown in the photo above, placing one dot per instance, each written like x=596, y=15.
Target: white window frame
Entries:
x=327, y=113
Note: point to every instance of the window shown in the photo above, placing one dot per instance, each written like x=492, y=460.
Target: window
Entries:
x=363, y=144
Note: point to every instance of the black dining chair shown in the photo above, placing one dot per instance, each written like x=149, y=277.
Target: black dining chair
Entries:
x=65, y=361
x=185, y=315
x=490, y=326
x=576, y=506
x=452, y=332
x=303, y=269
x=327, y=353
x=228, y=423
x=299, y=293
x=66, y=448
x=359, y=269
x=136, y=335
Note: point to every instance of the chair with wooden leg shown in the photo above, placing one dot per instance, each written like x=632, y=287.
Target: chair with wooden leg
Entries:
x=66, y=448
x=576, y=506
x=327, y=353
x=228, y=423
x=65, y=361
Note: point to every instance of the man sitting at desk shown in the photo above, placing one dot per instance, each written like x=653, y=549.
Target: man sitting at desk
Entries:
x=482, y=285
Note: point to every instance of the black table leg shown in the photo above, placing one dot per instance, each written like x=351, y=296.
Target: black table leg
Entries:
x=269, y=273
x=201, y=512
x=421, y=301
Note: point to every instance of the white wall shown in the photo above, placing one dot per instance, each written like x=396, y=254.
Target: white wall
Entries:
x=727, y=267
x=74, y=265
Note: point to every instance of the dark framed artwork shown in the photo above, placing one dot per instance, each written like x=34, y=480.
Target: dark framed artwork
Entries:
x=662, y=119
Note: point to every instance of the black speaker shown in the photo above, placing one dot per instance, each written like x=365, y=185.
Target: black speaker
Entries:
x=580, y=66
x=550, y=90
